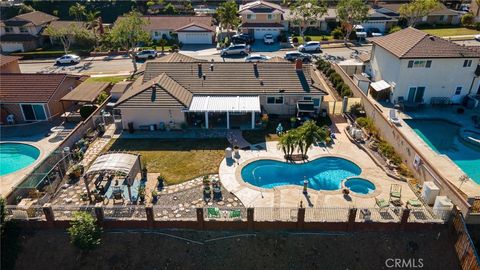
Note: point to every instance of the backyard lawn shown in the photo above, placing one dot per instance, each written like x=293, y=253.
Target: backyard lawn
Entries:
x=446, y=32
x=177, y=160
x=315, y=38
x=112, y=79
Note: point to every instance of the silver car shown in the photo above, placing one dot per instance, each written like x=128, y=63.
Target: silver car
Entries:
x=235, y=49
x=256, y=58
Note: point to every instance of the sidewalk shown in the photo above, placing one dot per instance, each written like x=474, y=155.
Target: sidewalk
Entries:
x=90, y=58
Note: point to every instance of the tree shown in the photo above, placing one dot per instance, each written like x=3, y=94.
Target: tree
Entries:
x=162, y=42
x=287, y=143
x=477, y=2
x=84, y=232
x=170, y=9
x=128, y=32
x=417, y=9
x=67, y=34
x=25, y=9
x=468, y=19
x=311, y=133
x=93, y=22
x=77, y=11
x=227, y=15
x=304, y=12
x=351, y=13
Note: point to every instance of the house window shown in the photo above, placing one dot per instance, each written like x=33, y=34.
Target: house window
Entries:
x=458, y=90
x=467, y=63
x=156, y=34
x=23, y=30
x=250, y=16
x=270, y=17
x=33, y=112
x=274, y=100
x=8, y=29
x=419, y=64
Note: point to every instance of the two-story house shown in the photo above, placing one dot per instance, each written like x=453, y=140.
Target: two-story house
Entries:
x=440, y=15
x=23, y=32
x=260, y=18
x=419, y=67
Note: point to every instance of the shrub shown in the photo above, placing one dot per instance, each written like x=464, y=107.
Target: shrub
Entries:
x=86, y=111
x=368, y=124
x=337, y=33
x=102, y=97
x=329, y=72
x=84, y=232
x=468, y=19
x=282, y=37
x=335, y=78
x=295, y=40
x=356, y=108
x=386, y=149
x=307, y=39
x=394, y=29
x=346, y=91
x=477, y=26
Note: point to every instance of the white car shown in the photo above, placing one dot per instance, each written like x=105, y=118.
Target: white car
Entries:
x=146, y=54
x=477, y=37
x=268, y=39
x=256, y=58
x=68, y=59
x=311, y=46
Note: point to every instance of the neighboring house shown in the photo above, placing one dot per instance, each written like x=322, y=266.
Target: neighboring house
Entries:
x=217, y=94
x=24, y=32
x=65, y=24
x=326, y=22
x=9, y=64
x=379, y=21
x=34, y=97
x=441, y=15
x=422, y=68
x=260, y=18
x=188, y=29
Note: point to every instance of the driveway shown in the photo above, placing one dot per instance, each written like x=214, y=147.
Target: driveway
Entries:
x=259, y=46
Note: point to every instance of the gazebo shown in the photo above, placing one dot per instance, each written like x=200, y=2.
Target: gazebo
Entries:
x=112, y=166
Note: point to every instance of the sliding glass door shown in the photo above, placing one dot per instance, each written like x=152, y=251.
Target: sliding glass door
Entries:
x=33, y=112
x=415, y=94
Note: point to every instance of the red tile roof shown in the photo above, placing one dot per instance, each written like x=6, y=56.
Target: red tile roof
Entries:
x=16, y=88
x=35, y=18
x=175, y=22
x=7, y=59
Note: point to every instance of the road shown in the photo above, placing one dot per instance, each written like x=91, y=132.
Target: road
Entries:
x=123, y=65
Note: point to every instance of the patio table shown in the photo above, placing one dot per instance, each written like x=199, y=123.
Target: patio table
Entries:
x=57, y=130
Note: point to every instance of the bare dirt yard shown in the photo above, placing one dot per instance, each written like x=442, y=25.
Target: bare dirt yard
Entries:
x=180, y=249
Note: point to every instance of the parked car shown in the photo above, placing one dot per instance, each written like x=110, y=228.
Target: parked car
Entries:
x=242, y=38
x=235, y=49
x=477, y=37
x=68, y=59
x=146, y=54
x=292, y=56
x=268, y=39
x=311, y=46
x=374, y=32
x=256, y=58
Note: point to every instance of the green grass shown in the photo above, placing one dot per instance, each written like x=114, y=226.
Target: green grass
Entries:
x=157, y=48
x=446, y=32
x=112, y=79
x=315, y=38
x=177, y=160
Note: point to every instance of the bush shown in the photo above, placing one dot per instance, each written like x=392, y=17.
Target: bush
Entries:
x=468, y=19
x=102, y=97
x=346, y=91
x=307, y=39
x=394, y=29
x=295, y=40
x=84, y=232
x=356, y=108
x=337, y=33
x=477, y=26
x=368, y=124
x=87, y=110
x=329, y=72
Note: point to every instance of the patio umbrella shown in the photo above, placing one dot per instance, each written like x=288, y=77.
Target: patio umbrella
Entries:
x=279, y=128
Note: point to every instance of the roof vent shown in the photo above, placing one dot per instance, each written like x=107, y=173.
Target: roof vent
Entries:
x=154, y=93
x=211, y=67
x=261, y=82
x=255, y=70
x=200, y=73
x=432, y=38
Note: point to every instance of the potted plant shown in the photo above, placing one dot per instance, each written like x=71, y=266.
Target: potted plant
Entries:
x=76, y=171
x=235, y=150
x=293, y=122
x=144, y=169
x=264, y=121
x=154, y=196
x=206, y=180
x=346, y=192
x=141, y=194
x=161, y=182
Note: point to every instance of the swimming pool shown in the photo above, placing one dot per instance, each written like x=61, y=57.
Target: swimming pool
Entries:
x=16, y=156
x=359, y=185
x=443, y=137
x=324, y=173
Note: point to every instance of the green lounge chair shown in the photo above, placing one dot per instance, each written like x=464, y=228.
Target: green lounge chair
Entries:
x=395, y=192
x=414, y=203
x=235, y=214
x=213, y=212
x=381, y=203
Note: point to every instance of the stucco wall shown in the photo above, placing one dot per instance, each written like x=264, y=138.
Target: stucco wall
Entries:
x=15, y=110
x=262, y=18
x=55, y=105
x=289, y=104
x=149, y=116
x=11, y=67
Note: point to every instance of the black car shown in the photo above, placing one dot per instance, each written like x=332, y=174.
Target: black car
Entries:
x=292, y=56
x=242, y=39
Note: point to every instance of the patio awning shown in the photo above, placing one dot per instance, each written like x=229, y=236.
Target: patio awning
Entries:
x=380, y=85
x=86, y=92
x=225, y=104
x=305, y=106
x=115, y=162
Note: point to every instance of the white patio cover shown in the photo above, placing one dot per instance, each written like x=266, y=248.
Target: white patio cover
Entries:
x=119, y=162
x=380, y=85
x=225, y=104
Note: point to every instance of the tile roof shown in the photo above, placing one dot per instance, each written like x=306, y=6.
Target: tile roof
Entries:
x=120, y=87
x=39, y=88
x=413, y=43
x=199, y=25
x=177, y=57
x=6, y=59
x=260, y=6
x=35, y=18
x=277, y=59
x=66, y=24
x=165, y=22
x=250, y=24
x=440, y=10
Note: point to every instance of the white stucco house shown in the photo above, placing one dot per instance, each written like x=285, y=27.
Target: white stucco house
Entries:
x=421, y=68
x=260, y=18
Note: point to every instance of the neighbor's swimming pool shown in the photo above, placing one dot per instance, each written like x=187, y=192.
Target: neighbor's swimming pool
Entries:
x=443, y=137
x=16, y=156
x=324, y=173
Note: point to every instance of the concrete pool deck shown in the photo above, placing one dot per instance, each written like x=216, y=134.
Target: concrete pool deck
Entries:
x=290, y=196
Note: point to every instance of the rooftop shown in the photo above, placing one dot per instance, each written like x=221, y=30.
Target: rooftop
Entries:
x=440, y=10
x=170, y=22
x=7, y=59
x=260, y=7
x=31, y=18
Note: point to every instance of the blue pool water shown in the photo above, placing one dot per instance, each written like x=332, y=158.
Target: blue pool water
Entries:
x=443, y=137
x=360, y=185
x=324, y=173
x=16, y=156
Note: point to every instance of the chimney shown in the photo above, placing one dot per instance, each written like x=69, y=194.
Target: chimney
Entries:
x=200, y=73
x=211, y=67
x=298, y=64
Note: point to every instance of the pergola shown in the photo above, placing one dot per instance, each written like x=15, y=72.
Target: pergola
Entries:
x=86, y=92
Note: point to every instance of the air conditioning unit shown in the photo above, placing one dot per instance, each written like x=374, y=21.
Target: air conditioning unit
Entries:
x=443, y=207
x=429, y=192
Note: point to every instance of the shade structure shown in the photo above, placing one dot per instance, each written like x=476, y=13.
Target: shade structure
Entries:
x=380, y=85
x=225, y=104
x=124, y=163
x=86, y=92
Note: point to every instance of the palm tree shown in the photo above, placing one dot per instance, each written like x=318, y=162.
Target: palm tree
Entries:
x=162, y=42
x=227, y=15
x=311, y=133
x=93, y=22
x=287, y=143
x=77, y=11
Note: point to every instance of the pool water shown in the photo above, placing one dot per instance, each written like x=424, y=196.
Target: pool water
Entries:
x=324, y=173
x=443, y=137
x=16, y=156
x=360, y=185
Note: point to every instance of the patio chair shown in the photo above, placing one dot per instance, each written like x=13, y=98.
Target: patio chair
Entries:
x=395, y=193
x=393, y=118
x=235, y=214
x=117, y=195
x=213, y=212
x=381, y=203
x=414, y=203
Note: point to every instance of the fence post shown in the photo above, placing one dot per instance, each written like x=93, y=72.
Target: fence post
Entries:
x=352, y=214
x=301, y=218
x=99, y=213
x=404, y=220
x=49, y=216
x=200, y=218
x=250, y=218
x=150, y=216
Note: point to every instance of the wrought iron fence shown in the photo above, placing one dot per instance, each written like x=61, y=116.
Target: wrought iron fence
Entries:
x=21, y=213
x=65, y=212
x=275, y=214
x=124, y=212
x=389, y=214
x=225, y=213
x=314, y=214
x=161, y=212
x=426, y=215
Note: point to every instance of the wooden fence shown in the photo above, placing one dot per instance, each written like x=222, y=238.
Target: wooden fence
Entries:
x=464, y=247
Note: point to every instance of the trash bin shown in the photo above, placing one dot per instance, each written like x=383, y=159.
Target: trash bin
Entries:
x=130, y=127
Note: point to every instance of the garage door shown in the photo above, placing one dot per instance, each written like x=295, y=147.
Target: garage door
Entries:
x=11, y=47
x=195, y=38
x=261, y=32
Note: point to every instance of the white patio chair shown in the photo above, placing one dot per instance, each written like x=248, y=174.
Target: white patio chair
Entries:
x=392, y=117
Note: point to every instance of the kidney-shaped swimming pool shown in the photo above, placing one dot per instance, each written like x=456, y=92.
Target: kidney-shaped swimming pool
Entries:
x=325, y=173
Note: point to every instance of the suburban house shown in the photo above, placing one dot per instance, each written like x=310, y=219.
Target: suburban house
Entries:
x=441, y=15
x=260, y=18
x=24, y=32
x=408, y=64
x=188, y=29
x=326, y=22
x=34, y=97
x=379, y=21
x=9, y=64
x=198, y=94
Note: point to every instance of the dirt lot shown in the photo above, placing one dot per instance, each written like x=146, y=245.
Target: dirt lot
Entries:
x=238, y=250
